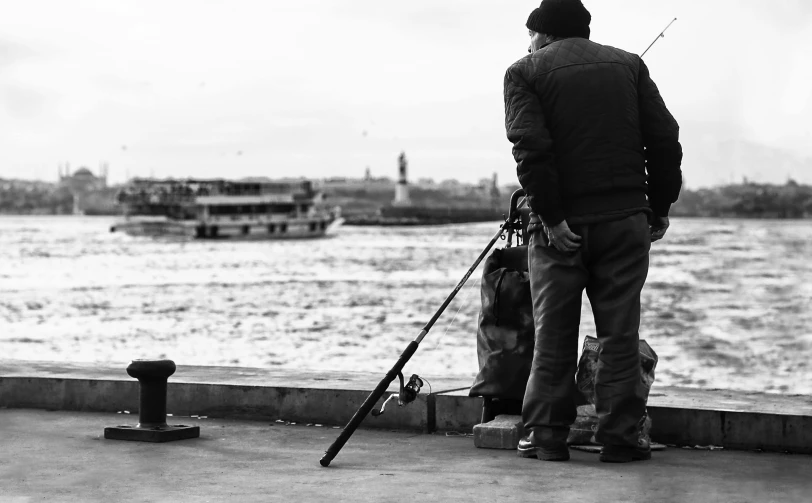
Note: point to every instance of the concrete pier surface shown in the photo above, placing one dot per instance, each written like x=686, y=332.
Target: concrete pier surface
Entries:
x=62, y=456
x=730, y=419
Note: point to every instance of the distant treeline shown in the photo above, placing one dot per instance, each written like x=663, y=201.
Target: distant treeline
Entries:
x=749, y=200
x=34, y=199
x=41, y=198
x=745, y=200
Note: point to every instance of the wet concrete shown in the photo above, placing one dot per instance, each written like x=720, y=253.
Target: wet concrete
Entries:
x=61, y=456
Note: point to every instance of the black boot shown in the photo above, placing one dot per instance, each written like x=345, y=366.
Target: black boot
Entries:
x=553, y=451
x=626, y=453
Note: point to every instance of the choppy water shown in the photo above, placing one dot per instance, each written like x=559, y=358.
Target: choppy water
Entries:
x=727, y=303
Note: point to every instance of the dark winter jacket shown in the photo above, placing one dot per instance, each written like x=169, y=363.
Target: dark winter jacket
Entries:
x=591, y=134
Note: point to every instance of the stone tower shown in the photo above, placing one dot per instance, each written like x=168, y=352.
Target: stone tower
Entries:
x=402, y=187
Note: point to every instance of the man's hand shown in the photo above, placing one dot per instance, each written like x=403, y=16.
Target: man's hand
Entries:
x=658, y=227
x=562, y=238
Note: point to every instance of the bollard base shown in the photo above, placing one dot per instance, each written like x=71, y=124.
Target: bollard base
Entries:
x=166, y=433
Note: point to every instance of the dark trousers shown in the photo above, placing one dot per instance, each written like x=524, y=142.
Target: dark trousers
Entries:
x=612, y=265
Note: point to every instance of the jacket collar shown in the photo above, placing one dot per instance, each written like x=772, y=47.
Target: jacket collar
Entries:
x=554, y=40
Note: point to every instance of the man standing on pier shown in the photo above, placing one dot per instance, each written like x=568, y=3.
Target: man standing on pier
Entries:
x=598, y=156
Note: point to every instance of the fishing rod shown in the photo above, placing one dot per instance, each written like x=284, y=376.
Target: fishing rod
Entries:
x=661, y=35
x=409, y=392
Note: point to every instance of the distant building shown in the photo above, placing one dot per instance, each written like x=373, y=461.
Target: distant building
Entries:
x=82, y=182
x=83, y=179
x=454, y=187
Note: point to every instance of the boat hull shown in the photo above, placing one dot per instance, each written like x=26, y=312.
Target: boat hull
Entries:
x=234, y=230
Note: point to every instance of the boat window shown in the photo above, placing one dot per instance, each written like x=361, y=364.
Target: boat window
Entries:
x=283, y=228
x=282, y=208
x=313, y=226
x=271, y=229
x=323, y=225
x=245, y=230
x=225, y=210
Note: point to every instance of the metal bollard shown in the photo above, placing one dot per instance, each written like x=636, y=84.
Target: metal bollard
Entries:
x=152, y=376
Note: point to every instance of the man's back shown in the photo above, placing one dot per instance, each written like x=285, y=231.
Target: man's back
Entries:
x=596, y=106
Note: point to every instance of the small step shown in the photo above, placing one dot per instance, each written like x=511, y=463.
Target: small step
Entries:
x=503, y=432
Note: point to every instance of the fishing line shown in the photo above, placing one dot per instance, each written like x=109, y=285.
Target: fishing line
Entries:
x=468, y=291
x=462, y=303
x=427, y=382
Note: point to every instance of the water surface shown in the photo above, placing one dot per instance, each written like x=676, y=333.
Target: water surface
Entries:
x=726, y=305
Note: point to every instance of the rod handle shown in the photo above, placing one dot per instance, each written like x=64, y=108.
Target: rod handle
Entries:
x=368, y=404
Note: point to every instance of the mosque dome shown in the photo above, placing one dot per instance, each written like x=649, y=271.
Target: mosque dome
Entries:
x=83, y=173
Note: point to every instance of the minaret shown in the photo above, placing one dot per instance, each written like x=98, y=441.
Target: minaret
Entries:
x=495, y=193
x=402, y=187
x=103, y=172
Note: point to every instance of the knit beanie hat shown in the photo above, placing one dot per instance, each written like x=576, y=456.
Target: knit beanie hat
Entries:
x=560, y=18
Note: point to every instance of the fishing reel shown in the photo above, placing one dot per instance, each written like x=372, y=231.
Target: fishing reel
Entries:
x=407, y=394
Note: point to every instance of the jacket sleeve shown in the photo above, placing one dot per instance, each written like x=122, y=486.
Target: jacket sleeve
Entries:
x=663, y=151
x=532, y=148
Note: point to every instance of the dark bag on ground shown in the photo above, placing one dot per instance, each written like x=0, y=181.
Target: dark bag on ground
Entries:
x=506, y=334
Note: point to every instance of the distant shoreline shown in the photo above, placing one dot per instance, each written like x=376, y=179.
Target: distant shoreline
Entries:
x=374, y=221
x=364, y=201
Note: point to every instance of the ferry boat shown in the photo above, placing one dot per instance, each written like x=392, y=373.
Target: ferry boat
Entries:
x=220, y=209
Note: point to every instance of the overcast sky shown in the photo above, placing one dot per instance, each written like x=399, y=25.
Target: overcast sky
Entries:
x=322, y=88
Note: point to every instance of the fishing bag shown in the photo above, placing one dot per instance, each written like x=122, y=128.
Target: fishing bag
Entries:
x=506, y=334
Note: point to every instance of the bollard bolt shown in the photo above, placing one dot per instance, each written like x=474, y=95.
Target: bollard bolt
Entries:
x=152, y=378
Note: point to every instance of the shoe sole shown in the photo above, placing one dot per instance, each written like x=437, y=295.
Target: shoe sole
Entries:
x=543, y=454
